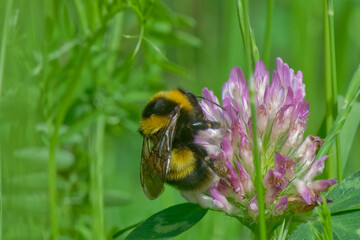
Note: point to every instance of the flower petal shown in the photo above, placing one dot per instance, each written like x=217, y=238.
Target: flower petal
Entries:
x=295, y=136
x=281, y=205
x=210, y=140
x=263, y=115
x=211, y=111
x=303, y=190
x=253, y=207
x=274, y=182
x=284, y=165
x=316, y=169
x=196, y=197
x=245, y=178
x=322, y=185
x=233, y=178
x=246, y=155
x=227, y=150
x=275, y=97
x=220, y=200
x=298, y=87
x=261, y=78
x=283, y=72
x=235, y=86
x=305, y=154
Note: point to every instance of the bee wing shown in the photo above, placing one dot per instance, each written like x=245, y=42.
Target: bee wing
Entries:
x=164, y=146
x=155, y=158
x=150, y=179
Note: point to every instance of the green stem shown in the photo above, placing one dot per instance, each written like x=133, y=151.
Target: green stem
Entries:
x=3, y=42
x=115, y=41
x=240, y=10
x=2, y=65
x=52, y=185
x=245, y=32
x=328, y=91
x=1, y=213
x=257, y=161
x=95, y=15
x=252, y=55
x=72, y=83
x=82, y=16
x=138, y=44
x=96, y=173
x=334, y=83
x=270, y=8
x=331, y=83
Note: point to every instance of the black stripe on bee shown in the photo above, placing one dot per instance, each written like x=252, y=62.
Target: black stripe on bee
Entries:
x=160, y=106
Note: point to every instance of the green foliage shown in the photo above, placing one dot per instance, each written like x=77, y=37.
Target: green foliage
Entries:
x=80, y=82
x=169, y=222
x=344, y=210
x=350, y=99
x=325, y=219
x=344, y=226
x=303, y=232
x=74, y=76
x=345, y=196
x=282, y=232
x=347, y=133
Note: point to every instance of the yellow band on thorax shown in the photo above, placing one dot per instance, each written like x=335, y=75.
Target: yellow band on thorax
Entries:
x=153, y=124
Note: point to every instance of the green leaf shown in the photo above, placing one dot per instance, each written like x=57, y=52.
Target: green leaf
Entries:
x=79, y=125
x=346, y=225
x=345, y=212
x=185, y=21
x=169, y=222
x=39, y=156
x=125, y=229
x=347, y=133
x=174, y=37
x=350, y=98
x=173, y=68
x=115, y=198
x=304, y=231
x=346, y=195
x=29, y=182
x=32, y=203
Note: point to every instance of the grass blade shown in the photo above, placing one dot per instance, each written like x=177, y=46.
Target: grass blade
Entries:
x=331, y=83
x=347, y=135
x=266, y=54
x=2, y=64
x=350, y=98
x=252, y=56
x=96, y=175
x=325, y=219
x=3, y=42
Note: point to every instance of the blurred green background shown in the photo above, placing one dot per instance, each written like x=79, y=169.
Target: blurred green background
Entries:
x=75, y=75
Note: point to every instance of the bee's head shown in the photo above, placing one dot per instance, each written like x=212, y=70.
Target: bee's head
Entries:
x=157, y=112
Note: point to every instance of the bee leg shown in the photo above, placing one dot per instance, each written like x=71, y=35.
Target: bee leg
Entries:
x=217, y=166
x=203, y=125
x=219, y=169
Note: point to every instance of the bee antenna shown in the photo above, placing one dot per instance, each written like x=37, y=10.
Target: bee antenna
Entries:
x=204, y=98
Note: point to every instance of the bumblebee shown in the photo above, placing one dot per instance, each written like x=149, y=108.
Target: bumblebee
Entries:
x=170, y=122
